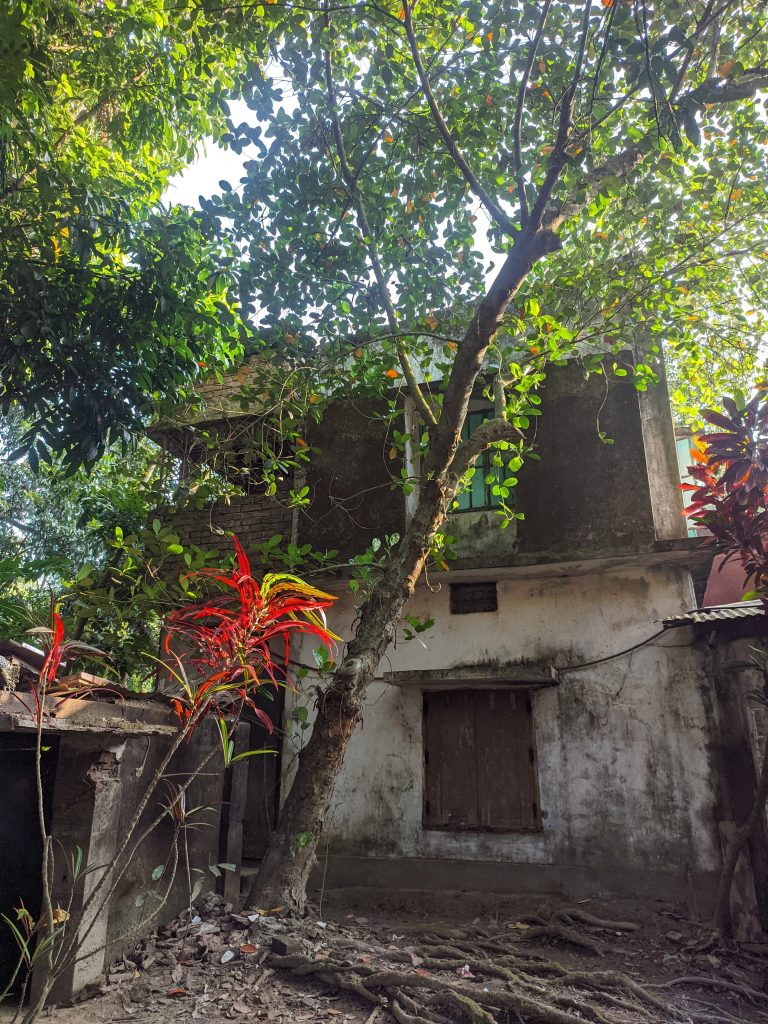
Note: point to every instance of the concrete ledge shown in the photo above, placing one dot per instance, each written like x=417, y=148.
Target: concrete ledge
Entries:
x=571, y=880
x=509, y=673
x=72, y=714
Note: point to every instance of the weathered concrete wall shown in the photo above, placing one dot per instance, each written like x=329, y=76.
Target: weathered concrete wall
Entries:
x=624, y=763
x=137, y=764
x=584, y=498
x=100, y=780
x=349, y=479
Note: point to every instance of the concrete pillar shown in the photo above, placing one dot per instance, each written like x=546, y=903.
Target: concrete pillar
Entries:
x=661, y=456
x=86, y=815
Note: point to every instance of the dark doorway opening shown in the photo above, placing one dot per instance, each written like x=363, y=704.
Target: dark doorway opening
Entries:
x=20, y=844
x=263, y=775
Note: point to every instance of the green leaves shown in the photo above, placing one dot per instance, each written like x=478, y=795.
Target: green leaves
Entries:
x=113, y=308
x=106, y=306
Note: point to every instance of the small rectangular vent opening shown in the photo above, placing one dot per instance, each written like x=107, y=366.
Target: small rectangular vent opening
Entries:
x=473, y=597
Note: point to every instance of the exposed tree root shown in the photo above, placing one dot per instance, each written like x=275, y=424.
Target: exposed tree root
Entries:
x=604, y=980
x=577, y=914
x=466, y=1006
x=413, y=1007
x=570, y=935
x=402, y=1017
x=730, y=986
x=413, y=997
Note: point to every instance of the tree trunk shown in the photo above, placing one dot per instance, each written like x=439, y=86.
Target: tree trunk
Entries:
x=722, y=917
x=285, y=870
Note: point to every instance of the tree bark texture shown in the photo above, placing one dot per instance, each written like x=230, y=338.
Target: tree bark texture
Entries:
x=722, y=917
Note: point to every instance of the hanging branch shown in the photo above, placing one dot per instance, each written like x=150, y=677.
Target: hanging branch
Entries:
x=493, y=208
x=364, y=226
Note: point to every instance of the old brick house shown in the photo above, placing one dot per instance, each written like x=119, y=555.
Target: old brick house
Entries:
x=541, y=734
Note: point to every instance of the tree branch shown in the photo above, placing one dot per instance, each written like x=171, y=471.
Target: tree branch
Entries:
x=519, y=112
x=499, y=397
x=534, y=242
x=710, y=92
x=689, y=54
x=493, y=208
x=559, y=156
x=529, y=247
x=619, y=166
x=482, y=438
x=715, y=90
x=82, y=118
x=373, y=253
x=537, y=239
x=16, y=524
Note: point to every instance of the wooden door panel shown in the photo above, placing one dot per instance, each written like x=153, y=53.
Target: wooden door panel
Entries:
x=479, y=760
x=451, y=793
x=505, y=760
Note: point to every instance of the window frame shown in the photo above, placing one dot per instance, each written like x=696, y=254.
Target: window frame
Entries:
x=483, y=469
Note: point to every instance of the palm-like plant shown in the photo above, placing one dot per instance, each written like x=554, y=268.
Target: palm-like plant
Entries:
x=223, y=648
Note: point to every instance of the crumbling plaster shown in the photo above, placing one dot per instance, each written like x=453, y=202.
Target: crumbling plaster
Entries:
x=623, y=747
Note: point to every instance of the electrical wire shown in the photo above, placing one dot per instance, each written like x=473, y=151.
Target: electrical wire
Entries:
x=608, y=657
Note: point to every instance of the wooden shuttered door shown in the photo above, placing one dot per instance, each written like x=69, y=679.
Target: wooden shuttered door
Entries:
x=479, y=760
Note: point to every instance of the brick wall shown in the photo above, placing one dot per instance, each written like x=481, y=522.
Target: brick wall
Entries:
x=223, y=398
x=254, y=518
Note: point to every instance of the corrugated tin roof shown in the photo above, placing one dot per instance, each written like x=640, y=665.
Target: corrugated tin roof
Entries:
x=719, y=613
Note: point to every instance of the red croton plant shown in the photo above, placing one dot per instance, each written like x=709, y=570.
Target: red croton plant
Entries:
x=224, y=647
x=730, y=498
x=57, y=652
x=219, y=650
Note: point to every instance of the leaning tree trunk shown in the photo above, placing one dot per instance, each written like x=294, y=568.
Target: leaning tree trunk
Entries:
x=284, y=872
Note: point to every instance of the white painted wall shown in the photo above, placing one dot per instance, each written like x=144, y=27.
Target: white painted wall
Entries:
x=623, y=765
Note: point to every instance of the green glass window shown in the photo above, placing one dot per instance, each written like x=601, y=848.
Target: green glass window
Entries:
x=480, y=494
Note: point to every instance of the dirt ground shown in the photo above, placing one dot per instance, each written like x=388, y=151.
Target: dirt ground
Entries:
x=420, y=958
